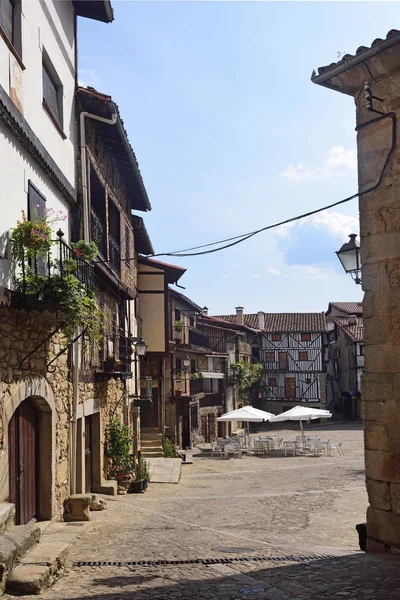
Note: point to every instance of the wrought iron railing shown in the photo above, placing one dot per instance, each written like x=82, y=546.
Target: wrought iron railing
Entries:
x=198, y=338
x=125, y=353
x=115, y=255
x=98, y=234
x=196, y=386
x=60, y=261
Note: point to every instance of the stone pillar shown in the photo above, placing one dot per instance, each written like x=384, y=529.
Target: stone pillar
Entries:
x=380, y=253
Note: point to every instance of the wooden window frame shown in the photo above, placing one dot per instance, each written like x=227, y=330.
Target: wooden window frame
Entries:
x=14, y=44
x=48, y=68
x=272, y=381
x=305, y=336
x=276, y=337
x=301, y=355
x=288, y=396
x=268, y=354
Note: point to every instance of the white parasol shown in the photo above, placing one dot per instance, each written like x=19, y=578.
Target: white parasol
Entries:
x=301, y=413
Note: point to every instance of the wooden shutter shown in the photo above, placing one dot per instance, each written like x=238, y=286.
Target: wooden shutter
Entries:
x=37, y=208
x=7, y=17
x=283, y=360
x=50, y=95
x=127, y=245
x=290, y=388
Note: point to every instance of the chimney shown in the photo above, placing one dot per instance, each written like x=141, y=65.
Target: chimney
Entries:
x=261, y=320
x=204, y=311
x=239, y=315
x=352, y=320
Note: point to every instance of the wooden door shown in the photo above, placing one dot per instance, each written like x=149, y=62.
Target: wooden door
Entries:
x=23, y=429
x=149, y=411
x=88, y=454
x=282, y=361
x=290, y=388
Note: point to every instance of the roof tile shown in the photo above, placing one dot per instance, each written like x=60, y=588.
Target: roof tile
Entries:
x=354, y=332
x=277, y=322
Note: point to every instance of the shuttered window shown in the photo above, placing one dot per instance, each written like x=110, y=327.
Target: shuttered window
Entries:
x=37, y=209
x=127, y=245
x=270, y=356
x=7, y=18
x=303, y=355
x=52, y=95
x=290, y=388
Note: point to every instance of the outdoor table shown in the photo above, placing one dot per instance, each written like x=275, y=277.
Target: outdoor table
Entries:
x=290, y=445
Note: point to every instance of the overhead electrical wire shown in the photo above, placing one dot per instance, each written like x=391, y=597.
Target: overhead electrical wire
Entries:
x=238, y=239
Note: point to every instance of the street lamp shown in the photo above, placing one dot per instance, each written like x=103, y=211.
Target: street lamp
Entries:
x=235, y=370
x=141, y=347
x=349, y=256
x=186, y=362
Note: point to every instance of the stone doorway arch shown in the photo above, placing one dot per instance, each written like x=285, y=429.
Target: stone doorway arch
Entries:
x=29, y=405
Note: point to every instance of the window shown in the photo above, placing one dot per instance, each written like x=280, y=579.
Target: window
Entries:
x=52, y=93
x=283, y=360
x=98, y=212
x=7, y=18
x=305, y=337
x=272, y=381
x=178, y=364
x=191, y=321
x=276, y=337
x=177, y=314
x=270, y=356
x=114, y=238
x=290, y=388
x=193, y=366
x=37, y=209
x=303, y=355
x=10, y=26
x=361, y=349
x=127, y=245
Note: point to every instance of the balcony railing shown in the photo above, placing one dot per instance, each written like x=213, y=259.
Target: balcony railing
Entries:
x=196, y=386
x=57, y=263
x=115, y=255
x=125, y=353
x=98, y=234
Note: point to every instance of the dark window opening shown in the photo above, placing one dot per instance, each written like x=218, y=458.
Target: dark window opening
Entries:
x=272, y=381
x=178, y=364
x=177, y=314
x=7, y=18
x=98, y=212
x=37, y=210
x=256, y=353
x=127, y=245
x=191, y=321
x=193, y=366
x=114, y=237
x=276, y=337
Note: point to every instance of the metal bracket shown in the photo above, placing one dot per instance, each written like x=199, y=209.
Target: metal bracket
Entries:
x=28, y=366
x=51, y=370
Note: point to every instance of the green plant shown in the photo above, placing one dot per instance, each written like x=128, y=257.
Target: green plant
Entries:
x=168, y=449
x=34, y=235
x=88, y=250
x=180, y=375
x=141, y=469
x=118, y=447
x=195, y=375
x=179, y=325
x=246, y=375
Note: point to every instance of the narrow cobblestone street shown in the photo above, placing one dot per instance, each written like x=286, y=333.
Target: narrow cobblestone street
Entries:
x=264, y=508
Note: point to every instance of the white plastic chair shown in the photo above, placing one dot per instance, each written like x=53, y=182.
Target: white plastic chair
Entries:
x=337, y=447
x=233, y=449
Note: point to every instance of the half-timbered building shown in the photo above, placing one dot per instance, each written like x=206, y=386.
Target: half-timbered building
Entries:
x=291, y=347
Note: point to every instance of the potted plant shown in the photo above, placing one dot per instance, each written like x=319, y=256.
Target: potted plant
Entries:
x=109, y=363
x=141, y=476
x=86, y=250
x=118, y=450
x=117, y=366
x=195, y=375
x=179, y=326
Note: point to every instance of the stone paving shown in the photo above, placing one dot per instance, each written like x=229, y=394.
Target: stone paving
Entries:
x=252, y=507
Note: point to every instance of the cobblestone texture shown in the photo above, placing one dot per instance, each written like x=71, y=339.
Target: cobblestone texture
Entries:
x=269, y=506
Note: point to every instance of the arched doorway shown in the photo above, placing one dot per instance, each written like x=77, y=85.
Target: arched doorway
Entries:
x=23, y=436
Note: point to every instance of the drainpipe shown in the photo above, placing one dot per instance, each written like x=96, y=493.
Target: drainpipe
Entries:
x=77, y=344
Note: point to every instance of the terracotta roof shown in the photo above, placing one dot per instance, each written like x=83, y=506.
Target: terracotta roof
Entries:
x=362, y=53
x=351, y=308
x=220, y=322
x=354, y=332
x=277, y=322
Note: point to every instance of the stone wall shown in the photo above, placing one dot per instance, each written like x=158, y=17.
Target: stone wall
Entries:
x=380, y=250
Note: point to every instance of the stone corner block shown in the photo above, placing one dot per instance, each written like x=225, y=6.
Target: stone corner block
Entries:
x=378, y=494
x=77, y=507
x=383, y=526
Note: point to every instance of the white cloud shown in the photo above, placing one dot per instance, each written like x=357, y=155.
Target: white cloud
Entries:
x=316, y=271
x=255, y=276
x=335, y=223
x=338, y=158
x=226, y=276
x=272, y=271
x=87, y=77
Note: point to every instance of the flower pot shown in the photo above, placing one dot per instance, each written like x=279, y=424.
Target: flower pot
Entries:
x=145, y=484
x=137, y=487
x=120, y=476
x=109, y=366
x=117, y=367
x=178, y=393
x=78, y=252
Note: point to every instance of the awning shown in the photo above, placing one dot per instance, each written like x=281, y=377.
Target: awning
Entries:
x=212, y=375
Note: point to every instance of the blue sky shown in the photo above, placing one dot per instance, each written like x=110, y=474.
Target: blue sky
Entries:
x=231, y=135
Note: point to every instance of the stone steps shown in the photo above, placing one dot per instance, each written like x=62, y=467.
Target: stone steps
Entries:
x=151, y=444
x=153, y=453
x=7, y=514
x=14, y=545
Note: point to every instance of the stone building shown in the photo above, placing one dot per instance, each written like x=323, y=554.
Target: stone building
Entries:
x=37, y=147
x=345, y=365
x=110, y=189
x=372, y=77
